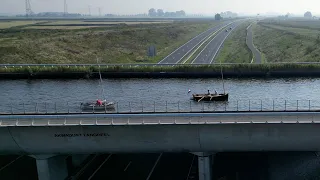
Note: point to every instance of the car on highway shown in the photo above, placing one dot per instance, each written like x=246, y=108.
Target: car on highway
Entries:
x=226, y=30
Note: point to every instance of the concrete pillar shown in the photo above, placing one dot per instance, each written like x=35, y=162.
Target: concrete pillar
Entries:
x=78, y=159
x=205, y=162
x=51, y=167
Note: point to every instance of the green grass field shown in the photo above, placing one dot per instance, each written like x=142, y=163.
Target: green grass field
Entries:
x=300, y=31
x=235, y=49
x=10, y=24
x=295, y=22
x=278, y=45
x=117, y=44
x=104, y=22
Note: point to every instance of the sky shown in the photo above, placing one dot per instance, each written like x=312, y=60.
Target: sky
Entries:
x=251, y=7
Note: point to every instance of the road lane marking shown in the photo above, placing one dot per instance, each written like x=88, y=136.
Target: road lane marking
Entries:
x=125, y=169
x=154, y=166
x=210, y=42
x=94, y=173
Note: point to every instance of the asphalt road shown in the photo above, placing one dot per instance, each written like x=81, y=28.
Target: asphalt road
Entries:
x=254, y=50
x=210, y=51
x=153, y=166
x=177, y=55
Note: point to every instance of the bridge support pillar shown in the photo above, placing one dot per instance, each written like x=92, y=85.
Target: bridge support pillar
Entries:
x=51, y=167
x=205, y=162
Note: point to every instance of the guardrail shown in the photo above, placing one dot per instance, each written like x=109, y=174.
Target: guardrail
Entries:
x=160, y=119
x=164, y=107
x=135, y=65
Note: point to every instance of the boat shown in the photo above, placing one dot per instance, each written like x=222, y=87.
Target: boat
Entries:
x=212, y=97
x=94, y=105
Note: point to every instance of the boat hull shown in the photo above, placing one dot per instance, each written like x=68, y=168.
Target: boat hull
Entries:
x=95, y=107
x=211, y=97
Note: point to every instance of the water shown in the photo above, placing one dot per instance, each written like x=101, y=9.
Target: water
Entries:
x=159, y=94
x=166, y=90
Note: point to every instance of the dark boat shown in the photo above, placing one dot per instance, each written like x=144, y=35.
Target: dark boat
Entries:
x=210, y=97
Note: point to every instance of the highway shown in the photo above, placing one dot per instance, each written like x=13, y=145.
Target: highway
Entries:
x=210, y=51
x=150, y=166
x=177, y=55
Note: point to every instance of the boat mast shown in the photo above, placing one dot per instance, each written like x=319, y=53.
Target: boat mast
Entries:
x=100, y=82
x=224, y=91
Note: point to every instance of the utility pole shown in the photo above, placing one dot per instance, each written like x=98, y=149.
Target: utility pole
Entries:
x=28, y=8
x=99, y=11
x=65, y=8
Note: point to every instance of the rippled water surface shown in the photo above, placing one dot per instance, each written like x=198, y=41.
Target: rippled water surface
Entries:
x=144, y=94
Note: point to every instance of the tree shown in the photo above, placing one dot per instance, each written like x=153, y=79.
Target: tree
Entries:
x=152, y=12
x=180, y=13
x=287, y=15
x=160, y=12
x=217, y=17
x=308, y=14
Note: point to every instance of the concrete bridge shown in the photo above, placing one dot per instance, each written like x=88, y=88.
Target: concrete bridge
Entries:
x=44, y=137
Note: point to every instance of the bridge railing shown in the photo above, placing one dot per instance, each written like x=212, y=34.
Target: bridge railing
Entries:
x=163, y=107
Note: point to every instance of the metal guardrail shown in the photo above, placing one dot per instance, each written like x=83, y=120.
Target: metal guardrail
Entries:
x=160, y=119
x=134, y=65
x=127, y=107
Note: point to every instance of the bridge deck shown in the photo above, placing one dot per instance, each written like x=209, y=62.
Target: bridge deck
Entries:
x=159, y=118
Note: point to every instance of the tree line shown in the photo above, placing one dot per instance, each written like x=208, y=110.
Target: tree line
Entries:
x=160, y=13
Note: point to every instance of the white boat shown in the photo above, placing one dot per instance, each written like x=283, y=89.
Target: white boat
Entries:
x=93, y=105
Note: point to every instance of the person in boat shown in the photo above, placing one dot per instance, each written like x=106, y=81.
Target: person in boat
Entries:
x=215, y=92
x=99, y=102
x=208, y=92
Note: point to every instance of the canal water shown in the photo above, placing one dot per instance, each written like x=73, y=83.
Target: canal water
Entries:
x=159, y=94
x=172, y=94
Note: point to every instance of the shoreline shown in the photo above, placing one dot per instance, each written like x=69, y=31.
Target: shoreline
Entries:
x=150, y=75
x=158, y=71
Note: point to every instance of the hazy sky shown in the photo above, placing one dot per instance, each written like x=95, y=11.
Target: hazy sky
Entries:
x=142, y=6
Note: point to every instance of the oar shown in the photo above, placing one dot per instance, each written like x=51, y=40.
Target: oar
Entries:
x=201, y=98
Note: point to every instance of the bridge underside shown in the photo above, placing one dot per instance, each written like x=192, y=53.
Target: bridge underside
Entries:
x=159, y=138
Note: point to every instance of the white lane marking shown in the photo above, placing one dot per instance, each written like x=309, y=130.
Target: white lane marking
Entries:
x=94, y=173
x=154, y=166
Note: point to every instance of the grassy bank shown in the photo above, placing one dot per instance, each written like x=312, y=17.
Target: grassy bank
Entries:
x=308, y=33
x=235, y=49
x=117, y=44
x=181, y=68
x=295, y=23
x=283, y=46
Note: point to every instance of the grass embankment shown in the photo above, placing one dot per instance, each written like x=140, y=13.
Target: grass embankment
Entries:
x=10, y=24
x=295, y=23
x=236, y=68
x=282, y=46
x=118, y=44
x=235, y=49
